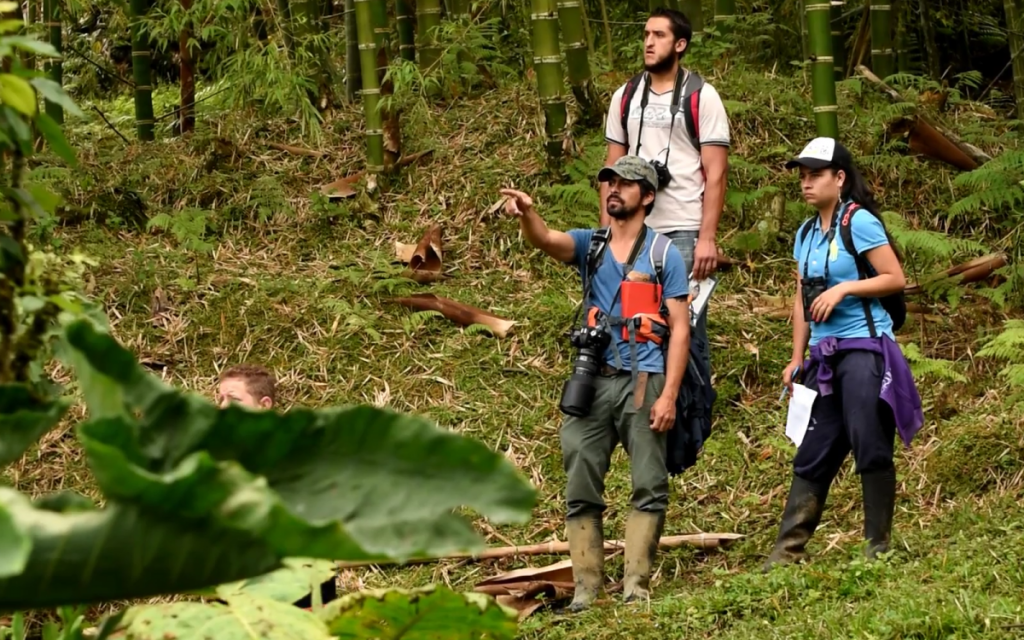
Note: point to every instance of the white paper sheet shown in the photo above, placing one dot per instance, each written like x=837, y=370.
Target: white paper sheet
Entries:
x=799, y=415
x=700, y=290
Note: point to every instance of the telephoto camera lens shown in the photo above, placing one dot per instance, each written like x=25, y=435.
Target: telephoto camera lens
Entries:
x=578, y=391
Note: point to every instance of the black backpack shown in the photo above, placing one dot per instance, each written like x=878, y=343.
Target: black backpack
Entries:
x=895, y=304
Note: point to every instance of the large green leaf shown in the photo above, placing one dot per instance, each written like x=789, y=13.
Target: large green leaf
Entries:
x=288, y=584
x=84, y=555
x=244, y=617
x=430, y=613
x=24, y=418
x=197, y=496
x=340, y=478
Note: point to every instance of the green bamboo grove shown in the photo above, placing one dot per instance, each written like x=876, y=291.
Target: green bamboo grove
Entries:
x=371, y=87
x=54, y=68
x=428, y=19
x=141, y=71
x=823, y=82
x=574, y=37
x=882, y=61
x=547, y=64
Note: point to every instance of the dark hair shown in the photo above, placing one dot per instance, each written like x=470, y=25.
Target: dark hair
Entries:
x=645, y=188
x=856, y=188
x=679, y=23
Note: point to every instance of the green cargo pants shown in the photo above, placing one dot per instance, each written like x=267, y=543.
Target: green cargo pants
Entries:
x=588, y=443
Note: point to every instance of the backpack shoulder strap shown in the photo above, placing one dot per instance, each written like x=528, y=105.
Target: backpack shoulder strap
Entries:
x=805, y=228
x=691, y=106
x=659, y=252
x=846, y=233
x=627, y=97
x=595, y=252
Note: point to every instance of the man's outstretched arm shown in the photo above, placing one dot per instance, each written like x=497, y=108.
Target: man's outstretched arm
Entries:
x=557, y=244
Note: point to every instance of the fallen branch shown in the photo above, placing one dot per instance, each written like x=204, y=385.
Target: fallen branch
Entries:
x=978, y=156
x=968, y=272
x=704, y=541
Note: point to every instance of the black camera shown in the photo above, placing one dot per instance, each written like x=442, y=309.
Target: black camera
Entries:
x=664, y=177
x=811, y=288
x=578, y=392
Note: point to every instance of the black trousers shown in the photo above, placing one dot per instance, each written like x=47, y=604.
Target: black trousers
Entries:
x=852, y=418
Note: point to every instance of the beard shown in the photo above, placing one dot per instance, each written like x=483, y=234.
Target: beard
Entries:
x=663, y=65
x=618, y=210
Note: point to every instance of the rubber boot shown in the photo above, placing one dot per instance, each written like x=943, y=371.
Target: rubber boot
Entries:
x=643, y=533
x=879, y=490
x=586, y=550
x=804, y=507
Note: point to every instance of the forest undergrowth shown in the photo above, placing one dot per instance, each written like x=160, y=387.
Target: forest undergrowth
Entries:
x=221, y=248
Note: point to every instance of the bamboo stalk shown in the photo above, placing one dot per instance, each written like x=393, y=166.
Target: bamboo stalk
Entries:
x=371, y=87
x=428, y=18
x=838, y=39
x=570, y=19
x=54, y=67
x=931, y=49
x=187, y=111
x=823, y=78
x=694, y=12
x=607, y=32
x=353, y=72
x=725, y=14
x=882, y=62
x=1015, y=24
x=406, y=36
x=547, y=64
x=141, y=73
x=705, y=541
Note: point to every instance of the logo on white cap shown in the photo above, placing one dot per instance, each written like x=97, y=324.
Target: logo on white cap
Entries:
x=820, y=149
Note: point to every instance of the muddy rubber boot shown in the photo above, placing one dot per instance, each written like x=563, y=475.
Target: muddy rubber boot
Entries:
x=643, y=533
x=804, y=506
x=879, y=490
x=586, y=550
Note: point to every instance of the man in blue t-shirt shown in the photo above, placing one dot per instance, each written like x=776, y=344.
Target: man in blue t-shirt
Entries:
x=634, y=398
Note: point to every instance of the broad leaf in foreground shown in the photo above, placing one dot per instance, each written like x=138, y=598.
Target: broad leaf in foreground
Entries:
x=197, y=497
x=244, y=617
x=332, y=477
x=24, y=419
x=288, y=584
x=80, y=555
x=431, y=613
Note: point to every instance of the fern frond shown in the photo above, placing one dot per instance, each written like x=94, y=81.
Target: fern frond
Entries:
x=1008, y=345
x=922, y=366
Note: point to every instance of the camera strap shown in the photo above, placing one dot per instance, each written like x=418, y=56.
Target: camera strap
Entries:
x=829, y=237
x=595, y=256
x=673, y=109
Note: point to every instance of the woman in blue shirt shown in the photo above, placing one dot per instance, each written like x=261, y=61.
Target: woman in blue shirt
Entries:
x=865, y=391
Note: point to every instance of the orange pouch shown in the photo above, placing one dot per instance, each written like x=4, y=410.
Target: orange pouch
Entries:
x=640, y=298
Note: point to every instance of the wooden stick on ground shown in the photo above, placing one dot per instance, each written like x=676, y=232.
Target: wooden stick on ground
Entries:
x=705, y=541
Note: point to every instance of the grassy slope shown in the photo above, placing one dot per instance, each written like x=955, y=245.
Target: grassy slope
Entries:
x=303, y=286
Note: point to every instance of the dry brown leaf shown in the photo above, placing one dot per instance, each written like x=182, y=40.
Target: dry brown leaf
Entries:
x=458, y=312
x=343, y=188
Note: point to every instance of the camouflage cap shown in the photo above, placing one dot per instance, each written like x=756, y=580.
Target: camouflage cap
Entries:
x=632, y=168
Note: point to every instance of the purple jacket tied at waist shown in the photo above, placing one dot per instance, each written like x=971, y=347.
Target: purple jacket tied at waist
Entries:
x=898, y=388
